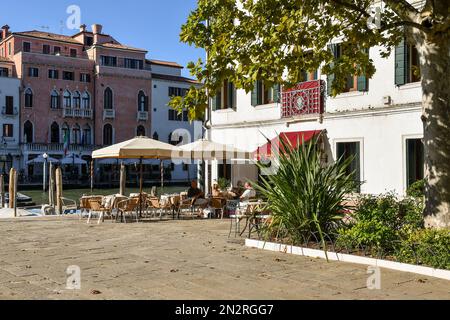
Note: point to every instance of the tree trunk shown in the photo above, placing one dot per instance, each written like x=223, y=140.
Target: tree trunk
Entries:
x=436, y=119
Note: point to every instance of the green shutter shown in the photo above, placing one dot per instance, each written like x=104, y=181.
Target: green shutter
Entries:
x=231, y=95
x=401, y=63
x=213, y=104
x=255, y=94
x=276, y=93
x=363, y=82
x=330, y=77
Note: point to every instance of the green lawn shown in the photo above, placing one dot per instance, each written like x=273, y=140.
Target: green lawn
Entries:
x=40, y=197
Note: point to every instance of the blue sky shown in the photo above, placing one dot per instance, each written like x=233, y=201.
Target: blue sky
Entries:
x=149, y=24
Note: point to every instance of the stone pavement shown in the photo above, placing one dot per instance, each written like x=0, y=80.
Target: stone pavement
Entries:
x=176, y=260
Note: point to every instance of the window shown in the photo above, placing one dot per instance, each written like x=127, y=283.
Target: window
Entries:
x=54, y=100
x=346, y=150
x=263, y=94
x=353, y=83
x=28, y=98
x=185, y=116
x=53, y=74
x=86, y=101
x=107, y=135
x=67, y=99
x=177, y=92
x=225, y=97
x=46, y=49
x=8, y=130
x=77, y=100
x=407, y=64
x=28, y=132
x=85, y=77
x=9, y=108
x=57, y=51
x=4, y=72
x=140, y=132
x=108, y=61
x=76, y=134
x=415, y=161
x=108, y=99
x=175, y=116
x=73, y=53
x=155, y=136
x=33, y=72
x=26, y=47
x=54, y=133
x=310, y=76
x=65, y=133
x=142, y=102
x=68, y=75
x=133, y=64
x=87, y=134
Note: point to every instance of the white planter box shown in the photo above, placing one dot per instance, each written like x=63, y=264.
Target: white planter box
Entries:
x=333, y=256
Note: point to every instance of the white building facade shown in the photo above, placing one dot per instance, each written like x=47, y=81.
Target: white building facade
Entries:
x=9, y=120
x=166, y=124
x=378, y=121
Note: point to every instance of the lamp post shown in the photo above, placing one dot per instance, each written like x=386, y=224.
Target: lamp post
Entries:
x=44, y=179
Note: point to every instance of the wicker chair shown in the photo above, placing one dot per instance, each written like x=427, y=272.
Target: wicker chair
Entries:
x=126, y=207
x=97, y=207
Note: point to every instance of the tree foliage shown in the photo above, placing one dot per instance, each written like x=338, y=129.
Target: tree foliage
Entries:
x=275, y=40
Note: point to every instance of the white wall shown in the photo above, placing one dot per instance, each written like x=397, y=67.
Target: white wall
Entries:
x=166, y=70
x=10, y=87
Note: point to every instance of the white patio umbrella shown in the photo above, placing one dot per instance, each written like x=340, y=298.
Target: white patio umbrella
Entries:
x=208, y=150
x=41, y=160
x=73, y=159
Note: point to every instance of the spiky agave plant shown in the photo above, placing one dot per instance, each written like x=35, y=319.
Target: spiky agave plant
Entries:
x=305, y=196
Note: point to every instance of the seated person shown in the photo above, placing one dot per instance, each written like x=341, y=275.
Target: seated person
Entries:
x=216, y=193
x=239, y=189
x=196, y=195
x=249, y=192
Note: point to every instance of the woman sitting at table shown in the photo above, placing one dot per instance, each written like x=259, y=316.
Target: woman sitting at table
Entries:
x=249, y=193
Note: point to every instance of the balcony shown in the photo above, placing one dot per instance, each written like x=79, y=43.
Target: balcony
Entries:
x=55, y=147
x=77, y=113
x=142, y=116
x=109, y=114
x=10, y=112
x=306, y=98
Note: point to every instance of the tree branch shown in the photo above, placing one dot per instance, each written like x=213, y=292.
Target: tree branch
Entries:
x=403, y=9
x=351, y=6
x=405, y=24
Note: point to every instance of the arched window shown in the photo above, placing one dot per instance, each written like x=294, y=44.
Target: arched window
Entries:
x=77, y=100
x=28, y=132
x=54, y=100
x=107, y=135
x=54, y=133
x=76, y=134
x=108, y=99
x=140, y=131
x=28, y=98
x=86, y=104
x=87, y=135
x=65, y=133
x=142, y=102
x=155, y=136
x=67, y=99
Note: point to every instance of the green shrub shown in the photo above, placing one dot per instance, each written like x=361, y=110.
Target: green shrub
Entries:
x=380, y=222
x=305, y=196
x=426, y=247
x=223, y=183
x=417, y=189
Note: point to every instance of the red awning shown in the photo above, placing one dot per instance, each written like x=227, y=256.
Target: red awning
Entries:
x=295, y=139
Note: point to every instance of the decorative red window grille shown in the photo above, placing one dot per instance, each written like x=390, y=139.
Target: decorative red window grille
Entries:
x=303, y=99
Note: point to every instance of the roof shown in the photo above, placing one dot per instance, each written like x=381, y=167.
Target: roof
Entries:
x=165, y=63
x=174, y=78
x=48, y=36
x=120, y=46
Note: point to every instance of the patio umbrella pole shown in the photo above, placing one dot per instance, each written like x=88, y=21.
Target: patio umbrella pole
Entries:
x=92, y=176
x=141, y=183
x=161, y=165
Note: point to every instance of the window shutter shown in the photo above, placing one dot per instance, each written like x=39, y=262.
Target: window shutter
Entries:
x=146, y=104
x=330, y=77
x=401, y=63
x=231, y=96
x=216, y=101
x=213, y=104
x=276, y=93
x=363, y=82
x=255, y=94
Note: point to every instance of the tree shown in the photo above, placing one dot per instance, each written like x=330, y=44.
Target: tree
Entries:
x=275, y=40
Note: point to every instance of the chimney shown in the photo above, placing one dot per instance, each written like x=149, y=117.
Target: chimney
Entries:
x=96, y=30
x=83, y=28
x=5, y=31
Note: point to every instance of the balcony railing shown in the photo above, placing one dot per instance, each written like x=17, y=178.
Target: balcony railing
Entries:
x=55, y=147
x=306, y=98
x=77, y=113
x=142, y=115
x=109, y=114
x=10, y=112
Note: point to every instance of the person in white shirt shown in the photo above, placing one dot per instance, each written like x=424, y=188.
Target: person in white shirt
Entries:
x=249, y=192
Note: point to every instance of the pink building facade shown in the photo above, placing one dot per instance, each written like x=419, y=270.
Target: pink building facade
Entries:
x=77, y=92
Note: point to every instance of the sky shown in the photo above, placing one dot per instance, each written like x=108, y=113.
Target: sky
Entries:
x=153, y=25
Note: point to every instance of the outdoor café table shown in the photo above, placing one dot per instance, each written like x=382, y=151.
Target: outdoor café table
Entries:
x=253, y=213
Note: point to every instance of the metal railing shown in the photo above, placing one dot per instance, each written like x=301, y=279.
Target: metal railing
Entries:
x=109, y=114
x=142, y=115
x=56, y=147
x=10, y=111
x=306, y=98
